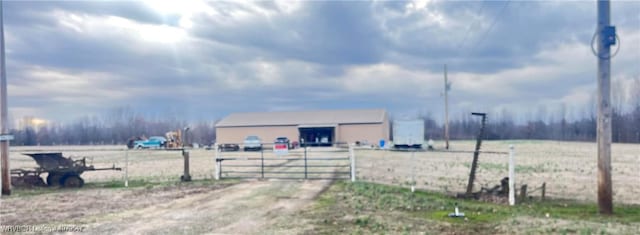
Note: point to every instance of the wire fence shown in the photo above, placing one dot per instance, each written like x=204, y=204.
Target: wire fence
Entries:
x=569, y=169
x=566, y=169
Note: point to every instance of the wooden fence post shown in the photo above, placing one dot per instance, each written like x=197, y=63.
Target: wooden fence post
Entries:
x=523, y=193
x=186, y=176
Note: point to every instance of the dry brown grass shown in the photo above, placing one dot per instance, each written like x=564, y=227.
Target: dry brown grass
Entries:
x=568, y=168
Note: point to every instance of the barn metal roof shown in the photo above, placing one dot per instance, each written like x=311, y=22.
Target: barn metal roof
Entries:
x=318, y=117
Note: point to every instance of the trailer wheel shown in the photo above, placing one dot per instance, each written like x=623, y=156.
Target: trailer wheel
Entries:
x=54, y=179
x=72, y=181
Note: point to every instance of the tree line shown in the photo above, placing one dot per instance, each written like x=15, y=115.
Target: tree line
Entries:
x=118, y=128
x=625, y=128
x=122, y=124
x=625, y=121
x=115, y=128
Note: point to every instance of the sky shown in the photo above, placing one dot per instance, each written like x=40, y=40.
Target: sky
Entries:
x=201, y=60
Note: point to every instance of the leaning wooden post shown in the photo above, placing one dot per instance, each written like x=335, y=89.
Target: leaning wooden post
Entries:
x=474, y=163
x=352, y=158
x=544, y=190
x=512, y=178
x=217, y=149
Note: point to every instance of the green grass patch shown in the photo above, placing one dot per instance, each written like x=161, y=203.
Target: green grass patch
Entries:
x=493, y=166
x=325, y=201
x=116, y=184
x=374, y=208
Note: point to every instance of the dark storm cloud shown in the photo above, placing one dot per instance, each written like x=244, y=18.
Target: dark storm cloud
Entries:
x=521, y=30
x=324, y=32
x=488, y=38
x=71, y=58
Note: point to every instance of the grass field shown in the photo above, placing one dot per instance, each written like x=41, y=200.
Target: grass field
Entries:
x=368, y=208
x=568, y=168
x=380, y=202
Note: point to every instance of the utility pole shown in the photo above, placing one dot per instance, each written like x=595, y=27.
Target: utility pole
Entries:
x=4, y=141
x=447, y=87
x=606, y=38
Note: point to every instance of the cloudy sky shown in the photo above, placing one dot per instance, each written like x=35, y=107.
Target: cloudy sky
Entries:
x=70, y=59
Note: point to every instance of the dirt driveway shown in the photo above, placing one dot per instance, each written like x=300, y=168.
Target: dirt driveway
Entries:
x=247, y=207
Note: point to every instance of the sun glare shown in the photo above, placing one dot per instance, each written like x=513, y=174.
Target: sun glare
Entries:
x=162, y=34
x=171, y=7
x=147, y=32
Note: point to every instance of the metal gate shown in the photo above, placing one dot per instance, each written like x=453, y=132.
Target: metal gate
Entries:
x=304, y=163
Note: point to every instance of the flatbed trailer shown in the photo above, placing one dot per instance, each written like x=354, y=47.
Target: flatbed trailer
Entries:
x=61, y=171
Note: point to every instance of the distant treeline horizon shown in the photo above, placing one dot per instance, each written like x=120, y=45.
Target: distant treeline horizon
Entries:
x=124, y=124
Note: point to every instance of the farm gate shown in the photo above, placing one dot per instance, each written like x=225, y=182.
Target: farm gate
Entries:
x=331, y=163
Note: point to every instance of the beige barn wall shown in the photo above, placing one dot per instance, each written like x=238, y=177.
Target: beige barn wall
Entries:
x=267, y=134
x=386, y=129
x=371, y=133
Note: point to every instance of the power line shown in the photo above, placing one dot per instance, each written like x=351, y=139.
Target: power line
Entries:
x=495, y=20
x=466, y=34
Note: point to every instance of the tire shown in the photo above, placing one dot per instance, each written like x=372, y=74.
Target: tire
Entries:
x=139, y=147
x=54, y=180
x=72, y=181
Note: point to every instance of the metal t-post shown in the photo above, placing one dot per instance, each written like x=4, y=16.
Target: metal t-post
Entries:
x=305, y=162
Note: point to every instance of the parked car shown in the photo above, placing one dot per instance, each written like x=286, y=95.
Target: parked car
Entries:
x=152, y=142
x=229, y=147
x=283, y=140
x=252, y=142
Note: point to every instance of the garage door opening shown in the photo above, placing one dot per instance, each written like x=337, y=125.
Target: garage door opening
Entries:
x=316, y=136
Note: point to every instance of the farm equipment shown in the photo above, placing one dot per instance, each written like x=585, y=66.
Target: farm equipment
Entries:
x=174, y=139
x=61, y=171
